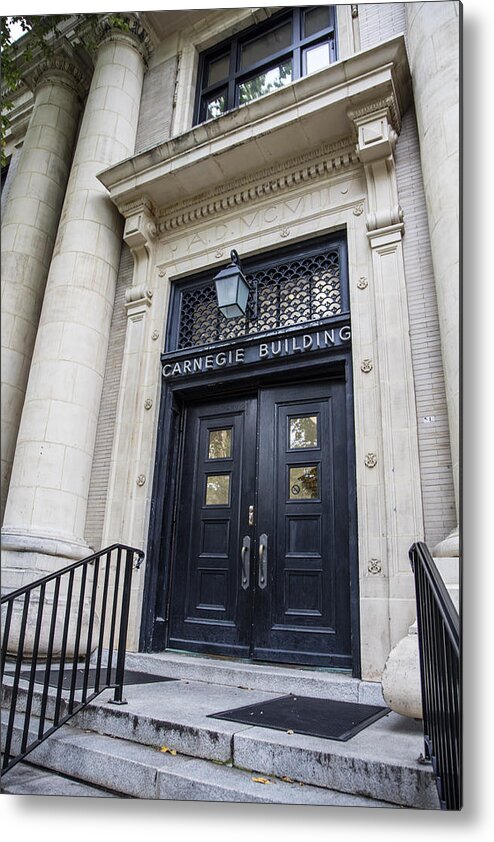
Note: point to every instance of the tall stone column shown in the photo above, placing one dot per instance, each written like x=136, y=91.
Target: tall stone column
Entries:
x=46, y=506
x=433, y=46
x=29, y=227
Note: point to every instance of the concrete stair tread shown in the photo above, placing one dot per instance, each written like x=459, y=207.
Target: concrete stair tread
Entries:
x=139, y=771
x=258, y=676
x=379, y=763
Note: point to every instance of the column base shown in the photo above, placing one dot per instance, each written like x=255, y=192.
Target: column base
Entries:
x=27, y=558
x=449, y=547
x=401, y=677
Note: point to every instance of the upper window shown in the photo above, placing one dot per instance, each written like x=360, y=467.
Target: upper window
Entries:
x=293, y=43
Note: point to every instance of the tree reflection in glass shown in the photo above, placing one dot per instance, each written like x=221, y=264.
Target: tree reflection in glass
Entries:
x=304, y=483
x=303, y=432
x=217, y=490
x=220, y=444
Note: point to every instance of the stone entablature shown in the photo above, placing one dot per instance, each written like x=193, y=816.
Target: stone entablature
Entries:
x=306, y=115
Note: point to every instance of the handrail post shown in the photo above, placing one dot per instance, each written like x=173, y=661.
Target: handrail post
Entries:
x=73, y=617
x=439, y=654
x=122, y=638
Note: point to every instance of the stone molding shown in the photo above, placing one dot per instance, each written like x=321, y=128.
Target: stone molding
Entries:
x=19, y=540
x=315, y=165
x=140, y=296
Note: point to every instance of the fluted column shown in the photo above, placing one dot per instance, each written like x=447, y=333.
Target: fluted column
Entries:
x=433, y=45
x=46, y=507
x=29, y=228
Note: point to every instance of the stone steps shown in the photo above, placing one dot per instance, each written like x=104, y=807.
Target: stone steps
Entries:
x=133, y=770
x=380, y=763
x=275, y=679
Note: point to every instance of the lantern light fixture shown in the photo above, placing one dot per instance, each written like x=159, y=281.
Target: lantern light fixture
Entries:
x=232, y=289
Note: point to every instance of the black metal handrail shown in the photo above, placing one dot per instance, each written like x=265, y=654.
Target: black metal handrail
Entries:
x=439, y=651
x=57, y=630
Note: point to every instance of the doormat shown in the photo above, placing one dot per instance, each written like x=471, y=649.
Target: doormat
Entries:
x=326, y=718
x=130, y=677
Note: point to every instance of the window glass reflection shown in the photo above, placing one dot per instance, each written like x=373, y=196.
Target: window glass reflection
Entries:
x=220, y=444
x=315, y=20
x=260, y=48
x=215, y=107
x=303, y=482
x=303, y=432
x=218, y=69
x=217, y=490
x=317, y=58
x=265, y=83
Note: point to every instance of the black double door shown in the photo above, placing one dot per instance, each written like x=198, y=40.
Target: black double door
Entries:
x=261, y=546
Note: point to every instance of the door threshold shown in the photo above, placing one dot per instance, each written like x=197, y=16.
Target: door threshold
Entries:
x=281, y=679
x=232, y=659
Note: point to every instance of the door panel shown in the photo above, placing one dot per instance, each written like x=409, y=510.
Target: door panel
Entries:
x=303, y=615
x=210, y=611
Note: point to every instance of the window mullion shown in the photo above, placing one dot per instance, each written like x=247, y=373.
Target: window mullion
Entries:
x=232, y=80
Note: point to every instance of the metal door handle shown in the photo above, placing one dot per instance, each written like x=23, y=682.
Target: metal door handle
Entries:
x=263, y=560
x=245, y=556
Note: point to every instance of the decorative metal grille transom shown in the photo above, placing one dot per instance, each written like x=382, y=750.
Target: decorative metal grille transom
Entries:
x=291, y=292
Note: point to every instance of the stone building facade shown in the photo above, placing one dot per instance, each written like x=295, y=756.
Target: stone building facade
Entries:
x=321, y=144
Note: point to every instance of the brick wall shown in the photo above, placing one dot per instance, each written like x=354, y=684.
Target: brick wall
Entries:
x=380, y=21
x=155, y=115
x=430, y=395
x=100, y=473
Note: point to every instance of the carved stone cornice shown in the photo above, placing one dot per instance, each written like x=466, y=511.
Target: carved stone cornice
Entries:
x=244, y=143
x=314, y=165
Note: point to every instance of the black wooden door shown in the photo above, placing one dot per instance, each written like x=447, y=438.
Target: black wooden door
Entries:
x=302, y=590
x=261, y=566
x=210, y=609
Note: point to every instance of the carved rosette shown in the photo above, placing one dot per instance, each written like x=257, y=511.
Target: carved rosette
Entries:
x=374, y=566
x=370, y=460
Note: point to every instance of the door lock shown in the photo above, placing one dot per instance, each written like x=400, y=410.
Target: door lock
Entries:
x=251, y=515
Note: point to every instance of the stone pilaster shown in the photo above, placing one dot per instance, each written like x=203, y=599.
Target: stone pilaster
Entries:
x=46, y=507
x=398, y=449
x=29, y=227
x=433, y=46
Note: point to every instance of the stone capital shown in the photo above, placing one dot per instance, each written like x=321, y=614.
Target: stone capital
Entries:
x=128, y=28
x=62, y=68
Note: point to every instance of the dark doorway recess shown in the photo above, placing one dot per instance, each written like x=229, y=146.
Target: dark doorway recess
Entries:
x=252, y=549
x=260, y=566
